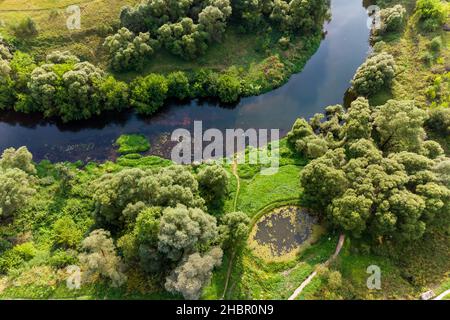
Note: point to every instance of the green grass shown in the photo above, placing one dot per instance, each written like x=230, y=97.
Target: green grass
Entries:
x=263, y=190
x=132, y=143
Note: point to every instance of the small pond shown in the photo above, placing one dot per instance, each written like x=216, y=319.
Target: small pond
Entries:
x=283, y=232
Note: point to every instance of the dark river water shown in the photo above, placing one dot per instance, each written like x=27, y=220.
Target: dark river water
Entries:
x=323, y=82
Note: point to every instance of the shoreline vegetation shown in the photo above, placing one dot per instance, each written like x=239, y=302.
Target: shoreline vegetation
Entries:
x=202, y=49
x=376, y=172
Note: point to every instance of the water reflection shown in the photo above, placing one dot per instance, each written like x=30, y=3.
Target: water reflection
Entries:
x=323, y=82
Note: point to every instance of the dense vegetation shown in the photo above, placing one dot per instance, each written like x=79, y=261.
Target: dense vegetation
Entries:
x=183, y=28
x=142, y=227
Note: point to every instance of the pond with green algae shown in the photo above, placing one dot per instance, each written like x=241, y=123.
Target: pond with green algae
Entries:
x=283, y=232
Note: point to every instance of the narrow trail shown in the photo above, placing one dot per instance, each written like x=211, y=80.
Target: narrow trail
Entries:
x=308, y=280
x=234, y=170
x=442, y=295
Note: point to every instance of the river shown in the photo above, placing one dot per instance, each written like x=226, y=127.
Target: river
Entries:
x=323, y=81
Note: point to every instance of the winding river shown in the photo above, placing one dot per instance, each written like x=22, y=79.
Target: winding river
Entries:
x=323, y=82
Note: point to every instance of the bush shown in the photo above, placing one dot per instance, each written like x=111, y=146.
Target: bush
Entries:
x=63, y=258
x=178, y=84
x=148, y=94
x=132, y=143
x=427, y=58
x=431, y=13
x=439, y=121
x=25, y=28
x=436, y=44
x=66, y=232
x=393, y=18
x=228, y=88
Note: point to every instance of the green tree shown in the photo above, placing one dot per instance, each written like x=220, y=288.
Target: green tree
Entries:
x=213, y=182
x=234, y=228
x=148, y=94
x=19, y=158
x=100, y=258
x=228, y=88
x=431, y=13
x=129, y=51
x=399, y=125
x=182, y=229
x=66, y=233
x=190, y=277
x=374, y=74
x=16, y=188
x=178, y=84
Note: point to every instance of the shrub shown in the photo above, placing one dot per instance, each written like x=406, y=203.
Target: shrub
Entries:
x=63, y=258
x=25, y=28
x=148, y=94
x=228, y=88
x=439, y=121
x=431, y=14
x=436, y=44
x=66, y=232
x=178, y=84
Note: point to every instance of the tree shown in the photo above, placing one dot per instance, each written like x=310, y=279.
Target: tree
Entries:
x=178, y=85
x=148, y=94
x=392, y=19
x=213, y=181
x=322, y=181
x=182, y=229
x=170, y=186
x=16, y=188
x=350, y=212
x=213, y=19
x=147, y=225
x=358, y=123
x=380, y=178
x=70, y=90
x=234, y=228
x=127, y=50
x=399, y=125
x=228, y=88
x=194, y=273
x=21, y=159
x=100, y=258
x=374, y=74
x=115, y=94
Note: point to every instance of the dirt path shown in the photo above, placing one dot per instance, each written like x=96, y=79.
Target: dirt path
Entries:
x=308, y=280
x=442, y=295
x=234, y=170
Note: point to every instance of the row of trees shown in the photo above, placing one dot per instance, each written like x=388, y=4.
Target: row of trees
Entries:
x=72, y=90
x=374, y=173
